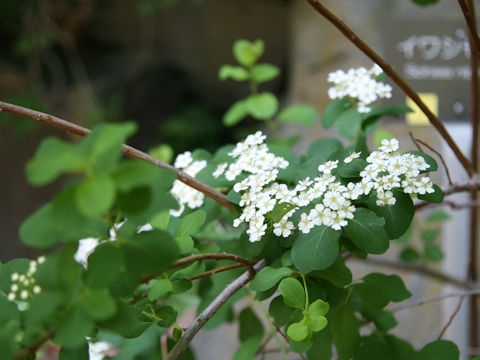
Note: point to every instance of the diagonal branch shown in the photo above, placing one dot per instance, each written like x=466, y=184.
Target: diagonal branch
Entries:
x=470, y=20
x=417, y=302
x=367, y=50
x=419, y=270
x=127, y=150
x=211, y=309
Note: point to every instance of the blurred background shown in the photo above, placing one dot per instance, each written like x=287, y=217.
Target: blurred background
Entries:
x=156, y=62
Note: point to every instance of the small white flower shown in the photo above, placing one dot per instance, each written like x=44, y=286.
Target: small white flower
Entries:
x=220, y=170
x=11, y=296
x=15, y=276
x=183, y=160
x=24, y=295
x=37, y=289
x=328, y=166
x=352, y=156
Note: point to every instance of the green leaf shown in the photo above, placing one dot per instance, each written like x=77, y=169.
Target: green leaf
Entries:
x=280, y=210
x=349, y=123
x=298, y=331
x=351, y=169
x=73, y=329
x=316, y=250
x=425, y=2
x=428, y=159
x=185, y=243
x=322, y=149
x=438, y=216
x=394, y=110
x=127, y=322
x=167, y=314
x=160, y=220
x=334, y=110
x=322, y=346
x=181, y=285
x=104, y=266
x=268, y=277
x=105, y=142
x=367, y=232
x=298, y=114
x=248, y=349
x=191, y=224
x=160, y=290
x=433, y=253
x=163, y=152
x=338, y=274
x=98, y=304
x=74, y=354
x=236, y=73
x=429, y=235
x=235, y=113
x=318, y=323
x=95, y=195
x=262, y=106
x=38, y=229
x=250, y=325
x=435, y=197
x=279, y=311
x=409, y=255
x=377, y=290
x=53, y=158
x=247, y=53
x=293, y=293
x=381, y=134
x=318, y=308
x=345, y=334
x=264, y=72
x=439, y=350
x=397, y=217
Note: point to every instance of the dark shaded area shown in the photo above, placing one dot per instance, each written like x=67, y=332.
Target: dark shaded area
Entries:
x=94, y=61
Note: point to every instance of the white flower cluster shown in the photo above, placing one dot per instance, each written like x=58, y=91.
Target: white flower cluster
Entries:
x=328, y=199
x=23, y=285
x=359, y=84
x=97, y=350
x=184, y=194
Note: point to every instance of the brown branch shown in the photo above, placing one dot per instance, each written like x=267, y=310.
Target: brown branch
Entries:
x=415, y=141
x=471, y=185
x=449, y=322
x=213, y=256
x=470, y=21
x=211, y=309
x=32, y=349
x=127, y=150
x=367, y=50
x=417, y=302
x=441, y=159
x=215, y=271
x=452, y=204
x=419, y=270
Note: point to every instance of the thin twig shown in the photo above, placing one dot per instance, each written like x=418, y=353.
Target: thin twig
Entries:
x=419, y=270
x=472, y=184
x=127, y=150
x=367, y=50
x=417, y=302
x=449, y=322
x=415, y=141
x=452, y=204
x=164, y=345
x=261, y=349
x=216, y=271
x=213, y=256
x=441, y=159
x=470, y=21
x=211, y=309
x=32, y=349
